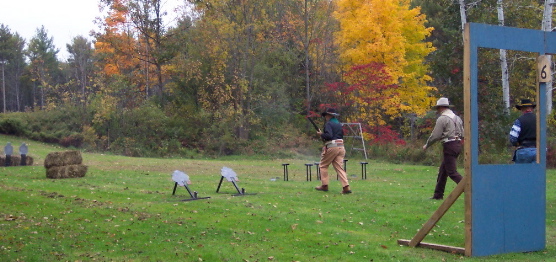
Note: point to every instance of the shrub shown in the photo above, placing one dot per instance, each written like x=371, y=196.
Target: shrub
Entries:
x=73, y=140
x=551, y=153
x=11, y=126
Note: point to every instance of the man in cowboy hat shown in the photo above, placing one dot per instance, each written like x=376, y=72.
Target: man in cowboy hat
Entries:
x=523, y=134
x=449, y=130
x=333, y=151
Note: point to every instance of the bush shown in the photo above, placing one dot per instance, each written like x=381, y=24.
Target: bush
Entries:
x=551, y=153
x=12, y=126
x=73, y=140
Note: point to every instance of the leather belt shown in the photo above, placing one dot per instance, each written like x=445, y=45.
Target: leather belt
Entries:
x=334, y=143
x=450, y=139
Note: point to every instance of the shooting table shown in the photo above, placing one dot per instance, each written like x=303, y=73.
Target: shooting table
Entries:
x=308, y=168
x=286, y=174
x=363, y=169
x=317, y=167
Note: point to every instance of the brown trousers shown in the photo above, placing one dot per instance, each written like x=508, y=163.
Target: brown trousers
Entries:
x=334, y=156
x=448, y=168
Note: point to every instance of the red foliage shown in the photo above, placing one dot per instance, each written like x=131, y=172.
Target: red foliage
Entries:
x=385, y=135
x=369, y=82
x=371, y=78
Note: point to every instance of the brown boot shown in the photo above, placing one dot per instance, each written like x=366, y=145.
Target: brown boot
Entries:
x=322, y=188
x=346, y=190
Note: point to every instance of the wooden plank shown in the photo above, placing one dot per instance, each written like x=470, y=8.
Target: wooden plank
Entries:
x=449, y=249
x=467, y=134
x=538, y=111
x=439, y=213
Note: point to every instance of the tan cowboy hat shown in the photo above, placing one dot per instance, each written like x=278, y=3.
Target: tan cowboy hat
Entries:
x=443, y=101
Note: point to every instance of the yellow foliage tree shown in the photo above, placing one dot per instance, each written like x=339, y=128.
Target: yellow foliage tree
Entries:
x=392, y=33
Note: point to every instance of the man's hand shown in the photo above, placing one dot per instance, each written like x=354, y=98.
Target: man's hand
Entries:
x=319, y=132
x=425, y=147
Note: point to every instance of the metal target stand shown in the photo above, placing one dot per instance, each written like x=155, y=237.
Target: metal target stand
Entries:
x=194, y=194
x=180, y=178
x=231, y=176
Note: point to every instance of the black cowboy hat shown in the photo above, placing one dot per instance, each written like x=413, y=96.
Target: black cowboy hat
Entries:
x=330, y=111
x=525, y=103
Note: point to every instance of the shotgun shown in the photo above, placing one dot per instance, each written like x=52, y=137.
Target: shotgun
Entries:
x=313, y=122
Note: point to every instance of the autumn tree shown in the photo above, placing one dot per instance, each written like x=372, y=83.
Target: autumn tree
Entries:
x=391, y=33
x=147, y=18
x=132, y=43
x=361, y=99
x=44, y=66
x=311, y=26
x=247, y=62
x=80, y=62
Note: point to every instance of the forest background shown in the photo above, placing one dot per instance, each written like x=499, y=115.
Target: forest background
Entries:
x=240, y=77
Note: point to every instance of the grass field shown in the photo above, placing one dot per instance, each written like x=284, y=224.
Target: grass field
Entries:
x=124, y=210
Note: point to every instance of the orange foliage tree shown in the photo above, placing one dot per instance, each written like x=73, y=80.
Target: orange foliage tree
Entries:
x=131, y=47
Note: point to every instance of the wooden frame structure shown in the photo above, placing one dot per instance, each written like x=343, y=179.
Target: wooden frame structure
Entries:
x=505, y=205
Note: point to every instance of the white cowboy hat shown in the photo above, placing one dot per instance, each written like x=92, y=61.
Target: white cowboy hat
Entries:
x=443, y=101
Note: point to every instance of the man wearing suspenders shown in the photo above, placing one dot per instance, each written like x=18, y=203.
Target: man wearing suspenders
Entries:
x=449, y=130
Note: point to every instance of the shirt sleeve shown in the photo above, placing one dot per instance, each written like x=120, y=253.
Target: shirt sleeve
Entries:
x=328, y=132
x=514, y=132
x=437, y=131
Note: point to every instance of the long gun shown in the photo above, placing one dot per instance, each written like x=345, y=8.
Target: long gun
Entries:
x=313, y=122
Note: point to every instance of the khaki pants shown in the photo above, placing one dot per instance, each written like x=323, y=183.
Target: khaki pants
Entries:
x=334, y=156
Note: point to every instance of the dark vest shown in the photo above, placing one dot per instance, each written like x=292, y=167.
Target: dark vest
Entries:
x=528, y=133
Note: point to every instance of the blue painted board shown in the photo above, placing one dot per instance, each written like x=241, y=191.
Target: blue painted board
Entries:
x=508, y=202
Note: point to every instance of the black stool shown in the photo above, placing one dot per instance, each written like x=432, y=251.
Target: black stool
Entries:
x=317, y=165
x=363, y=169
x=345, y=169
x=308, y=170
x=285, y=171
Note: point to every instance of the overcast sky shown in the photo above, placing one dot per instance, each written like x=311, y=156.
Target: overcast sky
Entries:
x=63, y=19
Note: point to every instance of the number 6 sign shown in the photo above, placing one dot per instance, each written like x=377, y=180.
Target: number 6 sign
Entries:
x=543, y=67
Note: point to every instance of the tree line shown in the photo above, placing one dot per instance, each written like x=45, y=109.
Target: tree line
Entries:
x=240, y=76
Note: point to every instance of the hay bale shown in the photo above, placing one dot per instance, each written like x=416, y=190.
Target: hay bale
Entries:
x=64, y=158
x=69, y=171
x=16, y=159
x=29, y=161
x=4, y=160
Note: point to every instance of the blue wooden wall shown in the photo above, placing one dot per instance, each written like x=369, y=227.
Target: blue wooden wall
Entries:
x=507, y=202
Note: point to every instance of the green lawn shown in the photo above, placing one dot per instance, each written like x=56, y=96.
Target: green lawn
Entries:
x=124, y=210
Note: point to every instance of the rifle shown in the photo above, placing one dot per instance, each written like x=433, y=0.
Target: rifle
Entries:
x=313, y=122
